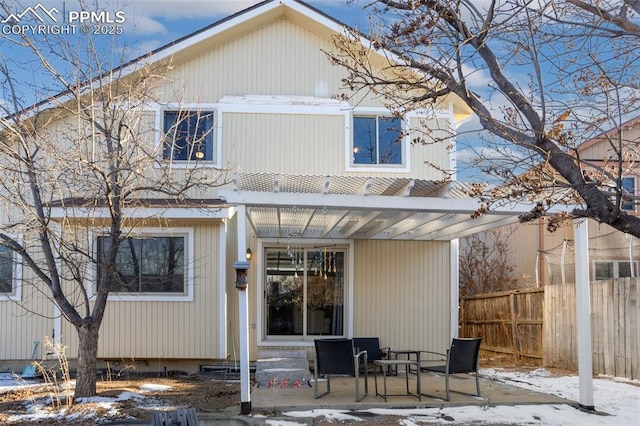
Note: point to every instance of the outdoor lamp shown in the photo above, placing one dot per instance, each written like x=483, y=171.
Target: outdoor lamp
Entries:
x=241, y=275
x=249, y=254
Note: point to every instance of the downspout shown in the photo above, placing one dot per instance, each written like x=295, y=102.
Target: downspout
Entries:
x=455, y=293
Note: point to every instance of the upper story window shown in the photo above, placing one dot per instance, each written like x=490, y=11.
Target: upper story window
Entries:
x=188, y=136
x=147, y=264
x=377, y=140
x=9, y=270
x=629, y=187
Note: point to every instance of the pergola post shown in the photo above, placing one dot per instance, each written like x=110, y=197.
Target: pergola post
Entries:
x=241, y=267
x=583, y=313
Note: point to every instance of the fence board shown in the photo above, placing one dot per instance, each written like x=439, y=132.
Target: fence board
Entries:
x=539, y=325
x=509, y=322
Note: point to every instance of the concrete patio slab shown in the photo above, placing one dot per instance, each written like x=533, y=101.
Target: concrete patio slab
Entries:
x=342, y=395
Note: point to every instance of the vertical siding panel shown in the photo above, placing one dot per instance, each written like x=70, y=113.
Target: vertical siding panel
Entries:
x=402, y=293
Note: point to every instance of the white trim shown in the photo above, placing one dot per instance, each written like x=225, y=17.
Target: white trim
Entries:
x=223, y=312
x=142, y=212
x=189, y=279
x=305, y=243
x=453, y=143
x=267, y=104
x=454, y=259
x=216, y=142
x=368, y=202
x=243, y=310
x=16, y=276
x=405, y=167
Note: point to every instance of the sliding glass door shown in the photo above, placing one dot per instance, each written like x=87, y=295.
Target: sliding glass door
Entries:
x=304, y=292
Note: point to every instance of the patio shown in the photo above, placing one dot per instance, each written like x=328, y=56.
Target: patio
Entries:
x=342, y=395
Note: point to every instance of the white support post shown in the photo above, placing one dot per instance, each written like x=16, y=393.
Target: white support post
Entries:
x=583, y=313
x=455, y=292
x=243, y=312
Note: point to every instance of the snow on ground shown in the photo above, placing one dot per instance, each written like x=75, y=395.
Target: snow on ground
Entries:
x=617, y=402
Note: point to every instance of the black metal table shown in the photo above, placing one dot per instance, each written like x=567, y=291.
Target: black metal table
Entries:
x=394, y=363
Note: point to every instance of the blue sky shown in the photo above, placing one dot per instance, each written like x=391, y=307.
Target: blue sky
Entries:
x=150, y=24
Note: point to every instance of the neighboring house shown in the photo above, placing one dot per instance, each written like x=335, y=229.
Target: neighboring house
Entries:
x=350, y=234
x=548, y=258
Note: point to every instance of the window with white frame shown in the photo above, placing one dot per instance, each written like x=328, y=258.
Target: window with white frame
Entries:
x=608, y=269
x=304, y=292
x=9, y=271
x=377, y=141
x=188, y=135
x=150, y=264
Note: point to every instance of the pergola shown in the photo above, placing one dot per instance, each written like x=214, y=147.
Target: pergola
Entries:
x=348, y=207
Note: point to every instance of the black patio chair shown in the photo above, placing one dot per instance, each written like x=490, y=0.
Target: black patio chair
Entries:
x=462, y=357
x=337, y=357
x=372, y=346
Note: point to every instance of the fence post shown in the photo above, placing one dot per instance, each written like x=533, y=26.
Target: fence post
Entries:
x=514, y=325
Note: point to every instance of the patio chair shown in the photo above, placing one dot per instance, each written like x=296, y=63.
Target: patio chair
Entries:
x=372, y=346
x=462, y=357
x=337, y=357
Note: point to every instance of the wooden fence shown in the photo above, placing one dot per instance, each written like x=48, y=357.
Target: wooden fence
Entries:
x=509, y=322
x=539, y=325
x=615, y=328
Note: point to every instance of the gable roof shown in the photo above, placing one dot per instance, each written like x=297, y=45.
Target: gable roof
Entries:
x=228, y=28
x=611, y=133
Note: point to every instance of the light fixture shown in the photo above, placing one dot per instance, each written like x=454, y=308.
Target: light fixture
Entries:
x=199, y=155
x=249, y=254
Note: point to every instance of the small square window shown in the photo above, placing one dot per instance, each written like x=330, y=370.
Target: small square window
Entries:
x=188, y=136
x=377, y=140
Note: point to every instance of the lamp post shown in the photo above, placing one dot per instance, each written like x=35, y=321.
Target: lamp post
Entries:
x=241, y=282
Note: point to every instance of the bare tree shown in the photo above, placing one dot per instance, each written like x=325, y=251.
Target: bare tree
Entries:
x=552, y=75
x=77, y=162
x=484, y=263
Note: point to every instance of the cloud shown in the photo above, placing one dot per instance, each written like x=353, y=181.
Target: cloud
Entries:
x=145, y=25
x=171, y=9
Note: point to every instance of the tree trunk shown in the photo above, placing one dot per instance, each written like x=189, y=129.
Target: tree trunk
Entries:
x=87, y=360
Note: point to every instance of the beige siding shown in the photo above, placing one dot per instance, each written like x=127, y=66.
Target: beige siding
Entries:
x=312, y=145
x=281, y=57
x=431, y=156
x=24, y=321
x=402, y=293
x=285, y=143
x=259, y=63
x=603, y=149
x=163, y=330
